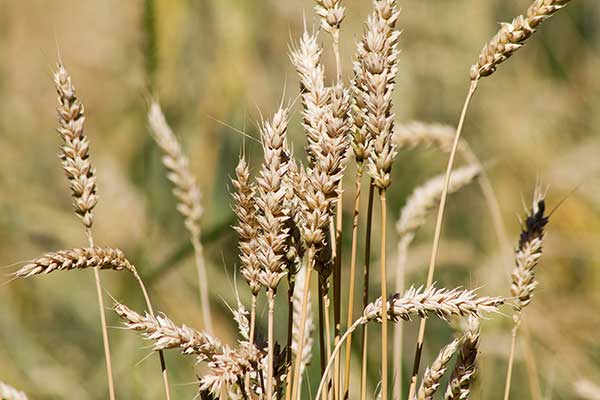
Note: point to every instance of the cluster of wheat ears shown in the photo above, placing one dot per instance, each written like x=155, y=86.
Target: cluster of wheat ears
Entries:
x=289, y=222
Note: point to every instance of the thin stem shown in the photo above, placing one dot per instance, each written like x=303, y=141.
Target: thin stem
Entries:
x=349, y=320
x=337, y=291
x=367, y=267
x=303, y=314
x=327, y=322
x=437, y=234
x=383, y=277
x=107, y=357
x=251, y=337
x=322, y=358
x=163, y=364
x=202, y=283
x=336, y=350
x=532, y=375
x=511, y=357
x=399, y=328
x=270, y=344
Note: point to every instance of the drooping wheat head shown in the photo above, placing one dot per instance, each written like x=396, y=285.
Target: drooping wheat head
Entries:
x=512, y=36
x=78, y=258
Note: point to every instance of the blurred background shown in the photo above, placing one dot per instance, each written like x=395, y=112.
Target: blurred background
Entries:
x=220, y=63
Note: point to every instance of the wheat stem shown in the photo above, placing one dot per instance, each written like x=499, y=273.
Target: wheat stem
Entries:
x=367, y=267
x=107, y=356
x=511, y=357
x=383, y=278
x=350, y=316
x=270, y=343
x=303, y=314
x=437, y=234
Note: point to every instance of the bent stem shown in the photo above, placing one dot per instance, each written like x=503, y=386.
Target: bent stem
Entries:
x=352, y=279
x=336, y=350
x=202, y=283
x=107, y=357
x=270, y=343
x=437, y=234
x=367, y=267
x=511, y=356
x=163, y=364
x=383, y=277
x=303, y=314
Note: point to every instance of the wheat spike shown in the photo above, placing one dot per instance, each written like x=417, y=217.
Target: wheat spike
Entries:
x=529, y=251
x=77, y=258
x=433, y=375
x=185, y=188
x=512, y=36
x=75, y=149
x=459, y=386
x=167, y=335
x=247, y=226
x=375, y=73
x=332, y=14
x=422, y=302
x=10, y=393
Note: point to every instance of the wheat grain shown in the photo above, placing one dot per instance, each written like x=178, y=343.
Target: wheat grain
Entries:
x=512, y=36
x=10, y=393
x=77, y=258
x=433, y=375
x=459, y=386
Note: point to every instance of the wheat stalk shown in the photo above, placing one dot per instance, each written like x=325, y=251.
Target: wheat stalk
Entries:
x=459, y=386
x=187, y=193
x=10, y=393
x=512, y=36
x=433, y=375
x=82, y=181
x=527, y=256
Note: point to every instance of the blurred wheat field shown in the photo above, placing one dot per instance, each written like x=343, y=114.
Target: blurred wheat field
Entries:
x=216, y=66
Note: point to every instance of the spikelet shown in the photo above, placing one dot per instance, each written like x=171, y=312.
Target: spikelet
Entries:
x=424, y=198
x=10, y=393
x=433, y=375
x=512, y=36
x=273, y=220
x=459, y=386
x=247, y=226
x=167, y=335
x=422, y=302
x=529, y=251
x=332, y=15
x=375, y=72
x=77, y=258
x=75, y=149
x=185, y=188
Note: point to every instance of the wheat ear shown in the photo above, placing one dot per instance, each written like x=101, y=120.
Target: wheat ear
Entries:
x=10, y=393
x=187, y=193
x=459, y=386
x=433, y=375
x=422, y=302
x=512, y=36
x=307, y=345
x=82, y=180
x=527, y=256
